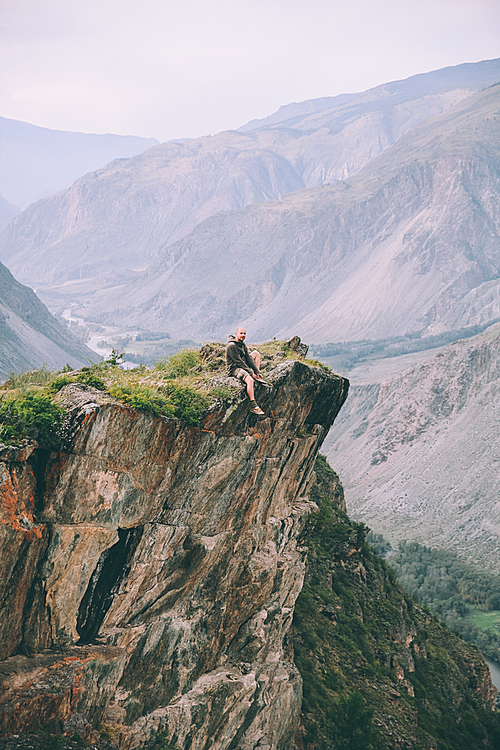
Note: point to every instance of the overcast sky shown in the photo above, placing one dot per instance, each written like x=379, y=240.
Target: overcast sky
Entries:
x=184, y=68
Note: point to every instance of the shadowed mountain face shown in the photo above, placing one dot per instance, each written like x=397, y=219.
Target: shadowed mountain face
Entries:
x=36, y=162
x=418, y=451
x=29, y=335
x=114, y=222
x=410, y=244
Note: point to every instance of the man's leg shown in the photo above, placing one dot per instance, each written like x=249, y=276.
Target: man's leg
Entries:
x=256, y=358
x=254, y=407
x=250, y=388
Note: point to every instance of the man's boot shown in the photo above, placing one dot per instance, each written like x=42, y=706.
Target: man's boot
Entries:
x=255, y=409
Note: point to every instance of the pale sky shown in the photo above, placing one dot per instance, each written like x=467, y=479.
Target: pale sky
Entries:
x=184, y=68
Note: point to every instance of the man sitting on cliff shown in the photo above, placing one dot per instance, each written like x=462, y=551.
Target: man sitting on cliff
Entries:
x=245, y=366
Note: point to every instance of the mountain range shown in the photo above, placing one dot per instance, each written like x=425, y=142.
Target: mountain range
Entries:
x=410, y=243
x=112, y=224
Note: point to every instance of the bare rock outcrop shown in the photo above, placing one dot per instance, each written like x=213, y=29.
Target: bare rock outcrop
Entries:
x=150, y=570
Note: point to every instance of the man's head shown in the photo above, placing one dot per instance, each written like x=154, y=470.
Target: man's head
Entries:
x=240, y=334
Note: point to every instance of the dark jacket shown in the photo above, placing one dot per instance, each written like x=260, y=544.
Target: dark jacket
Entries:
x=237, y=355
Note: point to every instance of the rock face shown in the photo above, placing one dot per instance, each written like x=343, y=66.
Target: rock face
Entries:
x=150, y=569
x=418, y=452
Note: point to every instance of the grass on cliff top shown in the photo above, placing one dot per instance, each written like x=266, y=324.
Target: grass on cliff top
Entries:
x=177, y=387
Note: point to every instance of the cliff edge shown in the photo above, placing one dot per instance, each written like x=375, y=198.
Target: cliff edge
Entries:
x=150, y=568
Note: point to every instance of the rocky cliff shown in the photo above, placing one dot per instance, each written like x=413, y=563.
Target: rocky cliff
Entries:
x=150, y=568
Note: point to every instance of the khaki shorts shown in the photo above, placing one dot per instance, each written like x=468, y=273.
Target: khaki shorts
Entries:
x=240, y=374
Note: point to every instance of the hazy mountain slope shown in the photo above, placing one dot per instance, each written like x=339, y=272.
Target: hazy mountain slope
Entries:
x=339, y=140
x=7, y=212
x=120, y=217
x=36, y=162
x=29, y=335
x=418, y=453
x=470, y=76
x=289, y=115
x=398, y=249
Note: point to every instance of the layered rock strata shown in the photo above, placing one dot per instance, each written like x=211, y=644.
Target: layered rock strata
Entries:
x=150, y=569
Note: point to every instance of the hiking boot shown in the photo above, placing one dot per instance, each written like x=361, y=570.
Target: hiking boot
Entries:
x=257, y=410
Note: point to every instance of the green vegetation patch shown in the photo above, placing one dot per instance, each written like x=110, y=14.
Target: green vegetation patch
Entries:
x=181, y=363
x=179, y=386
x=24, y=381
x=348, y=354
x=486, y=620
x=31, y=416
x=465, y=598
x=143, y=398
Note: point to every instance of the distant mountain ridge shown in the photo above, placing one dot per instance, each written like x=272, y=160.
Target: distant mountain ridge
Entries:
x=36, y=162
x=305, y=115
x=113, y=223
x=289, y=115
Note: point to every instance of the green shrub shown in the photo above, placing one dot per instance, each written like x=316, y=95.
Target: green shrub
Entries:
x=114, y=358
x=182, y=363
x=170, y=401
x=350, y=723
x=33, y=416
x=317, y=363
x=189, y=404
x=87, y=376
x=161, y=365
x=223, y=392
x=60, y=381
x=144, y=398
